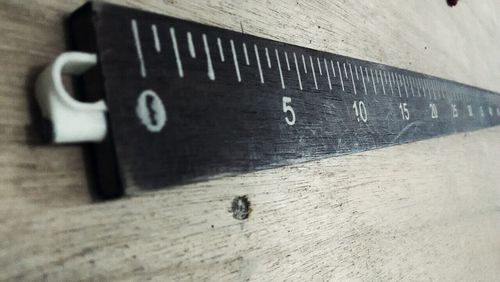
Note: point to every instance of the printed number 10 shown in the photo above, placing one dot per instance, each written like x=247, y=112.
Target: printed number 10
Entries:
x=360, y=110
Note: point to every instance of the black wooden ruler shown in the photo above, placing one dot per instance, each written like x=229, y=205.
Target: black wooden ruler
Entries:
x=189, y=101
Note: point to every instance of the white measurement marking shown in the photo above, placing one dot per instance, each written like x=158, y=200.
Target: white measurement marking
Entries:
x=432, y=85
x=328, y=74
x=390, y=83
x=340, y=75
x=279, y=68
x=138, y=47
x=258, y=63
x=333, y=68
x=235, y=60
x=391, y=77
x=422, y=83
x=192, y=52
x=297, y=69
x=363, y=79
x=211, y=73
x=356, y=72
x=376, y=76
x=434, y=88
x=439, y=90
x=319, y=66
x=411, y=85
x=245, y=52
x=345, y=71
x=373, y=81
x=396, y=82
x=287, y=62
x=314, y=73
x=425, y=86
x=221, y=52
x=176, y=52
x=419, y=80
x=156, y=38
x=352, y=78
x=268, y=59
x=401, y=77
x=367, y=77
x=149, y=101
x=381, y=81
x=414, y=84
x=426, y=82
x=304, y=62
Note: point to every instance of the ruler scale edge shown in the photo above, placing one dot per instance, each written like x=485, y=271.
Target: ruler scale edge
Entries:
x=256, y=103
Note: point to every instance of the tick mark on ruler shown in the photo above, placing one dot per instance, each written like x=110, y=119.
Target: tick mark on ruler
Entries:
x=235, y=60
x=411, y=86
x=422, y=85
x=328, y=74
x=287, y=62
x=319, y=67
x=245, y=52
x=221, y=52
x=362, y=79
x=192, y=52
x=390, y=82
x=279, y=68
x=356, y=71
x=211, y=74
x=417, y=85
x=345, y=70
x=340, y=75
x=333, y=68
x=258, y=63
x=401, y=78
x=314, y=73
x=373, y=81
x=397, y=83
x=381, y=81
x=138, y=47
x=304, y=62
x=352, y=79
x=431, y=86
x=156, y=38
x=176, y=52
x=268, y=59
x=297, y=69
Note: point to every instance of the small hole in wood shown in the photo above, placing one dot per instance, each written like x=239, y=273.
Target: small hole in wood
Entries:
x=240, y=207
x=452, y=3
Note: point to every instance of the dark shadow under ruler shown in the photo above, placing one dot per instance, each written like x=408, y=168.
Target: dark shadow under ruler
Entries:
x=189, y=101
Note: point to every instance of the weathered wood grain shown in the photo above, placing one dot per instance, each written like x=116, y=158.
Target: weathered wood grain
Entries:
x=427, y=210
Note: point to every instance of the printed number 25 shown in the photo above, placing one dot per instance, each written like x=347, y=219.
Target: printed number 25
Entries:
x=287, y=108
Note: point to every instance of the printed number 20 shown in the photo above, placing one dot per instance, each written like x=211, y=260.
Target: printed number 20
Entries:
x=287, y=108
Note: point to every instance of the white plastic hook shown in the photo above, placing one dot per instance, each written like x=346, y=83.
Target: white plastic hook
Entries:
x=72, y=121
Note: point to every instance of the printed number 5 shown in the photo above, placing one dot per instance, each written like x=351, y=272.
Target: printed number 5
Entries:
x=287, y=108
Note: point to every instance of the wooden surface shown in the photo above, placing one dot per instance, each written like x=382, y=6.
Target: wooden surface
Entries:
x=422, y=211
